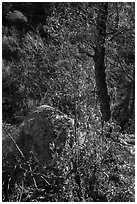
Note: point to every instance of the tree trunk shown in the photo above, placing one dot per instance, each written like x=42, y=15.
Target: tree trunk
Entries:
x=100, y=68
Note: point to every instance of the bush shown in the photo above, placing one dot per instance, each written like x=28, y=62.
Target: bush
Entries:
x=100, y=170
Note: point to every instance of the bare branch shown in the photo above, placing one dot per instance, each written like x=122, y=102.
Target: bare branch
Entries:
x=17, y=147
x=82, y=50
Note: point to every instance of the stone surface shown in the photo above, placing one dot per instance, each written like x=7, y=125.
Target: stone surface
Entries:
x=44, y=128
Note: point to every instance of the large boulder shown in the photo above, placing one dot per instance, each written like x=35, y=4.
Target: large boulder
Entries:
x=44, y=132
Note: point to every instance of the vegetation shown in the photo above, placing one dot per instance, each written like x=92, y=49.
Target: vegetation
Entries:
x=78, y=57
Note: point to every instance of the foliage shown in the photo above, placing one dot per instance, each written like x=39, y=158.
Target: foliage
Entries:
x=103, y=171
x=50, y=60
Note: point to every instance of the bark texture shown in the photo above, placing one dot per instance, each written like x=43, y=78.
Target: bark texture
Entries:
x=100, y=67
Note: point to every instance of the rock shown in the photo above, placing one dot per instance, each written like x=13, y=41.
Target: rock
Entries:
x=45, y=132
x=16, y=17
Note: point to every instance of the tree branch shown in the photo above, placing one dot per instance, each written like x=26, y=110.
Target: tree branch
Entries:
x=83, y=51
x=116, y=33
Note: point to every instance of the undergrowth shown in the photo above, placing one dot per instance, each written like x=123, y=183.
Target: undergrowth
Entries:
x=101, y=170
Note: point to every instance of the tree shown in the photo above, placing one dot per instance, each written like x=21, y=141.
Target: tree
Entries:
x=120, y=59
x=99, y=58
x=78, y=60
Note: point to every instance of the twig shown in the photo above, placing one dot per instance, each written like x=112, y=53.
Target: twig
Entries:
x=22, y=155
x=17, y=147
x=32, y=175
